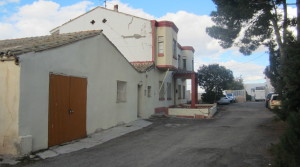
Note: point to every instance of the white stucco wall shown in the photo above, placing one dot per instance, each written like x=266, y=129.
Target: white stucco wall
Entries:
x=189, y=56
x=152, y=78
x=9, y=107
x=169, y=35
x=95, y=59
x=131, y=35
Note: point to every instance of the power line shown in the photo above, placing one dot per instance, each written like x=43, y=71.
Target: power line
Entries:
x=249, y=61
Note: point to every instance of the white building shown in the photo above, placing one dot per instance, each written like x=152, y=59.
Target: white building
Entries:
x=79, y=77
x=143, y=41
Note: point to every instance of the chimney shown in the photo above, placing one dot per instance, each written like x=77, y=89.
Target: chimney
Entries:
x=116, y=7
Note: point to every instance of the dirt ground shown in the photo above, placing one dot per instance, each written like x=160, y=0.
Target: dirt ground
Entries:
x=238, y=136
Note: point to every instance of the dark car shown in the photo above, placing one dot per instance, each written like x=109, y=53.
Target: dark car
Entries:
x=268, y=99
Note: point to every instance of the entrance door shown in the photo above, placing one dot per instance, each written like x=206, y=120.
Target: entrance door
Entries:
x=67, y=109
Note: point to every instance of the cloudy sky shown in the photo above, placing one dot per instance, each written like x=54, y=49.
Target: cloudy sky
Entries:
x=23, y=18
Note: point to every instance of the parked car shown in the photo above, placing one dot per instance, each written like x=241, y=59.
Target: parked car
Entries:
x=275, y=101
x=224, y=100
x=231, y=97
x=268, y=97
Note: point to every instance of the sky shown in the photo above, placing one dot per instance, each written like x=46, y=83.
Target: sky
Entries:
x=25, y=18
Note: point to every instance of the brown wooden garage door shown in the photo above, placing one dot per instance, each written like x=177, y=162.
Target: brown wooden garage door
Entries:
x=67, y=109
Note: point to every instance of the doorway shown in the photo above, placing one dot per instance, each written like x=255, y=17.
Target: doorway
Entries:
x=67, y=109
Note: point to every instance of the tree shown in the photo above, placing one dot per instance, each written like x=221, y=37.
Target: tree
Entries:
x=272, y=71
x=260, y=22
x=237, y=84
x=214, y=79
x=255, y=21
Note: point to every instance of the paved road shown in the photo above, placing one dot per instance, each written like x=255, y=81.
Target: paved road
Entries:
x=237, y=137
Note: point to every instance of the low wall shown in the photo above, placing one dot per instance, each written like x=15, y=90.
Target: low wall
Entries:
x=202, y=111
x=240, y=99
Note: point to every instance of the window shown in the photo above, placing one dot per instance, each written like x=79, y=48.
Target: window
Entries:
x=174, y=48
x=179, y=91
x=161, y=91
x=183, y=92
x=184, y=63
x=121, y=91
x=160, y=45
x=169, y=90
x=149, y=91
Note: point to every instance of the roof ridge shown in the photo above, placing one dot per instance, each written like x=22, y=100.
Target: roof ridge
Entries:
x=97, y=7
x=40, y=43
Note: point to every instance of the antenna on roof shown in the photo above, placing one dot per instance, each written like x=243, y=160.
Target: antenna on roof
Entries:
x=104, y=2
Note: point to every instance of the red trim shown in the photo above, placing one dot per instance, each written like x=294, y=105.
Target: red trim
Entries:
x=187, y=75
x=184, y=116
x=200, y=117
x=188, y=48
x=167, y=24
x=194, y=91
x=153, y=26
x=195, y=117
x=160, y=55
x=141, y=62
x=164, y=110
x=164, y=24
x=169, y=98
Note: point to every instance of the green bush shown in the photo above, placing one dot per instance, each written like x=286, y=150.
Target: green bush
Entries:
x=248, y=97
x=288, y=150
x=211, y=97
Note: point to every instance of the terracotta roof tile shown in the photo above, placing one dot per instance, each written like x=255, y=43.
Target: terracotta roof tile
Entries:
x=14, y=47
x=142, y=66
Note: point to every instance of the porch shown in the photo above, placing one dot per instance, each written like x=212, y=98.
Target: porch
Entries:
x=183, y=74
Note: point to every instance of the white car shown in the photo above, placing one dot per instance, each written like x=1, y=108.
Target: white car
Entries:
x=224, y=100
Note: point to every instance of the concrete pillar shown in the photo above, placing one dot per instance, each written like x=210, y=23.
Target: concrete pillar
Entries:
x=194, y=91
x=196, y=80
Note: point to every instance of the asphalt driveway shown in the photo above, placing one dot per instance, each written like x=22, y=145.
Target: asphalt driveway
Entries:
x=238, y=136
